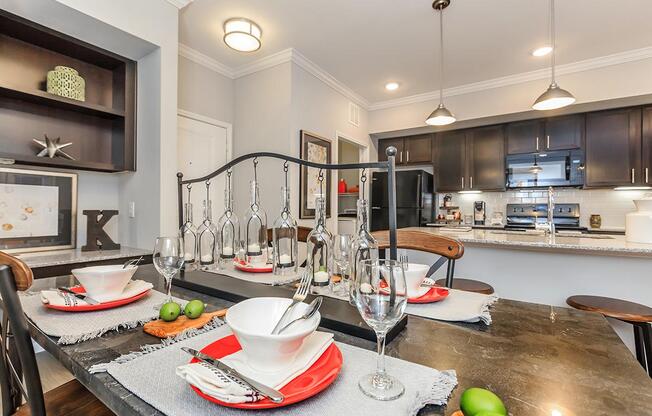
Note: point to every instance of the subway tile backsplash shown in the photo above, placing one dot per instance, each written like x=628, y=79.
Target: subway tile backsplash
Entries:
x=611, y=205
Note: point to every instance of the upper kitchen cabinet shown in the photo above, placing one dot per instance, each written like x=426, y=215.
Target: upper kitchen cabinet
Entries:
x=411, y=150
x=647, y=146
x=613, y=148
x=486, y=158
x=450, y=161
x=557, y=133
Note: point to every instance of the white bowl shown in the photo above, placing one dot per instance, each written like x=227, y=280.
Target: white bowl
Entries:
x=252, y=322
x=104, y=283
x=414, y=276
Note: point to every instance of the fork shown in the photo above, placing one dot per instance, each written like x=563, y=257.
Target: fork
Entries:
x=298, y=297
x=403, y=259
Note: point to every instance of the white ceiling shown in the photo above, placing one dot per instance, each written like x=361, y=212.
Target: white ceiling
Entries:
x=366, y=43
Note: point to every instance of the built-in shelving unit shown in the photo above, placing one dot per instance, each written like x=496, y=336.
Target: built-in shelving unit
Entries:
x=102, y=128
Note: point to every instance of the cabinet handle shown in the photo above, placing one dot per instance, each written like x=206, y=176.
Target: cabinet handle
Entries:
x=548, y=142
x=646, y=175
x=537, y=143
x=633, y=171
x=401, y=157
x=462, y=182
x=407, y=156
x=471, y=182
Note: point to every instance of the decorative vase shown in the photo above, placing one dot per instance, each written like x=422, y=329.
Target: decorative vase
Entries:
x=66, y=82
x=595, y=221
x=638, y=224
x=341, y=186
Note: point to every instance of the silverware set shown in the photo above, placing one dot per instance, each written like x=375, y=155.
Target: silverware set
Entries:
x=80, y=296
x=298, y=297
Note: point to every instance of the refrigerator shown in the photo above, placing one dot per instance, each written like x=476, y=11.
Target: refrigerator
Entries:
x=414, y=199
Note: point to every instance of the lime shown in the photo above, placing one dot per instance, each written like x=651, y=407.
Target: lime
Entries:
x=169, y=311
x=476, y=401
x=194, y=309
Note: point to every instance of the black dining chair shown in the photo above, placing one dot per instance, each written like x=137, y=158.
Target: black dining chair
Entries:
x=448, y=248
x=20, y=381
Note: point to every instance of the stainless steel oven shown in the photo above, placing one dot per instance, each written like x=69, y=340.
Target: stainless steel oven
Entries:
x=559, y=168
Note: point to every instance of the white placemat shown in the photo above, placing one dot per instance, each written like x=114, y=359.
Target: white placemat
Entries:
x=74, y=327
x=151, y=376
x=264, y=278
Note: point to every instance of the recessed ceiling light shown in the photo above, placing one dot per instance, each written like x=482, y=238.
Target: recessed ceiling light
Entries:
x=542, y=51
x=242, y=34
x=391, y=86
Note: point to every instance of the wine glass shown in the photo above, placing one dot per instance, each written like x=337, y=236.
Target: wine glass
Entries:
x=380, y=296
x=168, y=259
x=341, y=256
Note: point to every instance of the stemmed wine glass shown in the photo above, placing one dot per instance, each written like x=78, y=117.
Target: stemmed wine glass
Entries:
x=168, y=259
x=341, y=253
x=380, y=296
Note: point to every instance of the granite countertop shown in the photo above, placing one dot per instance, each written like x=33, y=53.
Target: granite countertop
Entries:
x=575, y=363
x=60, y=257
x=614, y=245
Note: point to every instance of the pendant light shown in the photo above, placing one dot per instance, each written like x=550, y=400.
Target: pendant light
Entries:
x=441, y=116
x=554, y=97
x=535, y=168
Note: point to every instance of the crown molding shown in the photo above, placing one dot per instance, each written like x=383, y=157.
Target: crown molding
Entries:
x=264, y=63
x=572, y=68
x=205, y=60
x=179, y=4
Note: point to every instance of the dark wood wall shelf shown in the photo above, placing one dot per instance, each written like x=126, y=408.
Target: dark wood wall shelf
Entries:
x=102, y=128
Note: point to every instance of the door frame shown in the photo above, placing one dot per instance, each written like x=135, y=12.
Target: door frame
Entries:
x=212, y=121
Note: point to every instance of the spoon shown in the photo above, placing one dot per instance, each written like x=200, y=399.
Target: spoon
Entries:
x=132, y=262
x=310, y=312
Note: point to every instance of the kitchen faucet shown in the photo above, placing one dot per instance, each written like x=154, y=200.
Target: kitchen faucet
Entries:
x=548, y=227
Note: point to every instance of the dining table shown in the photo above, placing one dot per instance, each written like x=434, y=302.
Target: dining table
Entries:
x=539, y=360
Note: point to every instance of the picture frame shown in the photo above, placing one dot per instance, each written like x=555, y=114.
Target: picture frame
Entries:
x=314, y=148
x=38, y=210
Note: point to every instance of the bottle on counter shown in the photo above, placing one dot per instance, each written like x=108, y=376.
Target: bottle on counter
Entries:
x=207, y=238
x=228, y=227
x=255, y=223
x=284, y=238
x=363, y=247
x=188, y=234
x=319, y=255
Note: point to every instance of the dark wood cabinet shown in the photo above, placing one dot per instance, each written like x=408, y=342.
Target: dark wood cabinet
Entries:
x=565, y=132
x=613, y=148
x=646, y=144
x=486, y=158
x=411, y=150
x=524, y=137
x=450, y=163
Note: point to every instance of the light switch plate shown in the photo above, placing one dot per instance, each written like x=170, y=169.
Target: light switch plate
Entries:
x=132, y=209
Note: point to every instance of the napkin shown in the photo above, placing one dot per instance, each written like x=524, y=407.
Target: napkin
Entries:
x=459, y=306
x=216, y=384
x=58, y=298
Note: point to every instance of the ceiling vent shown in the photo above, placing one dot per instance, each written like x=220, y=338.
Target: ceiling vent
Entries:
x=354, y=114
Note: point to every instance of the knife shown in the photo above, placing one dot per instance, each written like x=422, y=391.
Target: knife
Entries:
x=436, y=266
x=81, y=296
x=274, y=395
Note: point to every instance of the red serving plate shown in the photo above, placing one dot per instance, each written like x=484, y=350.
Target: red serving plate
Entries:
x=99, y=306
x=267, y=268
x=313, y=381
x=435, y=294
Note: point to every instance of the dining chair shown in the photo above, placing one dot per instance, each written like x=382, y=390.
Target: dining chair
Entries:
x=448, y=248
x=20, y=380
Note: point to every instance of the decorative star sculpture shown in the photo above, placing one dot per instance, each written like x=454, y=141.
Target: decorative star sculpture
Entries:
x=52, y=148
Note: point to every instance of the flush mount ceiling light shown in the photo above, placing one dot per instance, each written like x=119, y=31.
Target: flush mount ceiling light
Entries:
x=391, y=86
x=441, y=116
x=242, y=34
x=554, y=97
x=542, y=51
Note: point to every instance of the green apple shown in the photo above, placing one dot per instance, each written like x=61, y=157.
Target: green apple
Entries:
x=480, y=402
x=169, y=311
x=194, y=309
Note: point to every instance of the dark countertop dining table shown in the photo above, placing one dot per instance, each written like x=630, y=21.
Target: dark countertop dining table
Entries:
x=574, y=364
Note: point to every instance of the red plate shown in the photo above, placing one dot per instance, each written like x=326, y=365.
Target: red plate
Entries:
x=314, y=380
x=267, y=268
x=435, y=294
x=99, y=306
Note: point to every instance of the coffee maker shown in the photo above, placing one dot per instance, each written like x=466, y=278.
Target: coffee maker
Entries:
x=479, y=212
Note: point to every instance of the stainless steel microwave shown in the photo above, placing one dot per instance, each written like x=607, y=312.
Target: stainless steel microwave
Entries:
x=559, y=168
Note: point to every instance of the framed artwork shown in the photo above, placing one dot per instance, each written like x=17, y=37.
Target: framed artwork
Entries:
x=315, y=149
x=38, y=210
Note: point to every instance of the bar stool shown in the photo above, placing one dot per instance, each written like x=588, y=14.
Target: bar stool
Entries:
x=449, y=248
x=636, y=314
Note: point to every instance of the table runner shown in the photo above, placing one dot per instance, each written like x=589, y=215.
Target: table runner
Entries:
x=151, y=376
x=459, y=306
x=74, y=327
x=264, y=278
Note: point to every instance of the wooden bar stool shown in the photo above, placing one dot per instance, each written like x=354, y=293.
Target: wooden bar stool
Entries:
x=636, y=314
x=19, y=374
x=449, y=248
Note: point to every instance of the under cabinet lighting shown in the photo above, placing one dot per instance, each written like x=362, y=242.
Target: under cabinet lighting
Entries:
x=632, y=188
x=470, y=192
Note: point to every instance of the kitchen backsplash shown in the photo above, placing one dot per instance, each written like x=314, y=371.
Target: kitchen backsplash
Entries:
x=611, y=205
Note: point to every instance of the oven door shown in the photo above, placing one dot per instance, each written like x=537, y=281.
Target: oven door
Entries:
x=545, y=169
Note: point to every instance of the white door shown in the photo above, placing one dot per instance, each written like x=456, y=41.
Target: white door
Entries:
x=202, y=149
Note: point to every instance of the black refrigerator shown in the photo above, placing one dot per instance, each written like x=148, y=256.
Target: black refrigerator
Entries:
x=414, y=199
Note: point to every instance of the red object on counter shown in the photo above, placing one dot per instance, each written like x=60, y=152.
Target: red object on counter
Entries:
x=341, y=186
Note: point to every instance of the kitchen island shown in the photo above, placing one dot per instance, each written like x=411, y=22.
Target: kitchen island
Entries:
x=547, y=270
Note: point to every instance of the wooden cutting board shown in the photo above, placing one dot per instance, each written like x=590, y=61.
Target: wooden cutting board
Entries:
x=162, y=329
